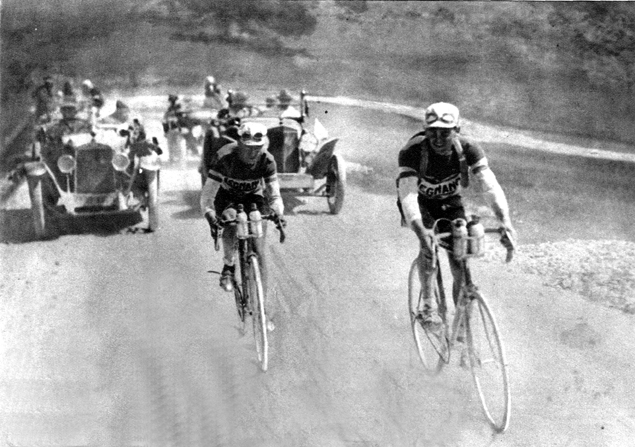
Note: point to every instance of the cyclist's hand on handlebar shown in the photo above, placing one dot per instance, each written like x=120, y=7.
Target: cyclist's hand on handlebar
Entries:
x=280, y=221
x=424, y=235
x=212, y=220
x=508, y=239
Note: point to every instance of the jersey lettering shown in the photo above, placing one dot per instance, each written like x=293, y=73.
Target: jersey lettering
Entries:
x=245, y=186
x=439, y=190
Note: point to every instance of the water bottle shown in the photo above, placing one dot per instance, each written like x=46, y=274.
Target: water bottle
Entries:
x=476, y=232
x=459, y=238
x=242, y=231
x=255, y=221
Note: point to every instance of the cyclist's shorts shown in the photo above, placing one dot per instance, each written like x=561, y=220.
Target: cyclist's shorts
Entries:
x=225, y=199
x=450, y=208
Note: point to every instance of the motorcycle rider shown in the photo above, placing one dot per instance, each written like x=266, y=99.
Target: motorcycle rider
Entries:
x=243, y=173
x=433, y=167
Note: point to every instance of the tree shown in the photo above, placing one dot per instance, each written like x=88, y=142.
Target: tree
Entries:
x=261, y=24
x=602, y=34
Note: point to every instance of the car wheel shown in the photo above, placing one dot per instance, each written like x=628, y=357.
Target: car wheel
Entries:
x=336, y=183
x=152, y=180
x=37, y=207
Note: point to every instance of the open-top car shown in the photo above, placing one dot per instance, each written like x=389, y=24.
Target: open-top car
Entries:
x=79, y=170
x=306, y=159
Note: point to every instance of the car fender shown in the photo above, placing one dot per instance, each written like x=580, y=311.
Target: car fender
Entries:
x=319, y=165
x=34, y=168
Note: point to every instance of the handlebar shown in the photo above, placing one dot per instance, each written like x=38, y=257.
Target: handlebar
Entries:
x=506, y=239
x=227, y=223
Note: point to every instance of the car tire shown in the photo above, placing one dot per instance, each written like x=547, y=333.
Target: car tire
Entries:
x=37, y=206
x=336, y=183
x=152, y=180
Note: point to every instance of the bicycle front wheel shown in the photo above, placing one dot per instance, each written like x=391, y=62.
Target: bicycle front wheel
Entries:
x=432, y=347
x=487, y=362
x=257, y=297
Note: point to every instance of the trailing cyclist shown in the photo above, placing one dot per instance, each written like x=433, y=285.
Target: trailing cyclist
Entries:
x=243, y=172
x=434, y=166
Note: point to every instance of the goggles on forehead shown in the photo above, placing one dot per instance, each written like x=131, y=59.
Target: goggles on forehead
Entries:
x=446, y=118
x=258, y=136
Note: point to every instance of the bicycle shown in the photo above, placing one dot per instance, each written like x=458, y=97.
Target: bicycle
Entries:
x=473, y=323
x=248, y=287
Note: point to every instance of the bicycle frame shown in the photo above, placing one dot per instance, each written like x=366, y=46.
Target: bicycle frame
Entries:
x=473, y=322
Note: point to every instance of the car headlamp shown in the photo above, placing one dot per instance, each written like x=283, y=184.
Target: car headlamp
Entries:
x=66, y=164
x=120, y=162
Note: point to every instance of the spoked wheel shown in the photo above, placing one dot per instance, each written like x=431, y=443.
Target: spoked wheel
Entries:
x=336, y=184
x=257, y=300
x=487, y=362
x=240, y=308
x=432, y=346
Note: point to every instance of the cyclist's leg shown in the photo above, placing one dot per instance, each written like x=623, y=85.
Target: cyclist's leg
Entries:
x=453, y=209
x=226, y=207
x=427, y=266
x=259, y=243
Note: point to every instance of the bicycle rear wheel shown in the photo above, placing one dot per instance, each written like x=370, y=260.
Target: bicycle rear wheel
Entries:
x=487, y=362
x=432, y=347
x=257, y=297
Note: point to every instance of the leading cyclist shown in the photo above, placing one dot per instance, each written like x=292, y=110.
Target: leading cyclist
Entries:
x=433, y=167
x=237, y=176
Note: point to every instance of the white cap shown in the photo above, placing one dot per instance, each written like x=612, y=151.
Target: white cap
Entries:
x=88, y=83
x=441, y=114
x=253, y=134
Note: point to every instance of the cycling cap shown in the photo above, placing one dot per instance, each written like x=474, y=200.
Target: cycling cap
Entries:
x=441, y=114
x=253, y=134
x=88, y=83
x=210, y=80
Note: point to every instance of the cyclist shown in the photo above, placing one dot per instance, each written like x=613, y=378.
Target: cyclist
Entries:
x=433, y=167
x=243, y=172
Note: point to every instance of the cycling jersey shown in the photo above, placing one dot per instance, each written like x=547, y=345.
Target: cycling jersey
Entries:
x=240, y=180
x=442, y=176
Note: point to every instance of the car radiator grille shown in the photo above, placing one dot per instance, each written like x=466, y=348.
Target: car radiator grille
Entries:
x=94, y=171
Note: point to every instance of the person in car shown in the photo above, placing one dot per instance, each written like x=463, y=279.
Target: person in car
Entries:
x=93, y=99
x=213, y=94
x=285, y=109
x=51, y=136
x=433, y=166
x=45, y=100
x=242, y=173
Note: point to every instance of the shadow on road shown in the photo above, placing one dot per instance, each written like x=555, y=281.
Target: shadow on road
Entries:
x=16, y=226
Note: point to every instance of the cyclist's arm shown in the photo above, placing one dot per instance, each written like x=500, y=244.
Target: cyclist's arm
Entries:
x=272, y=189
x=408, y=191
x=492, y=192
x=208, y=195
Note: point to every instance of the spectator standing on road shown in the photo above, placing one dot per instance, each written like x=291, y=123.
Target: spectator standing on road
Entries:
x=45, y=100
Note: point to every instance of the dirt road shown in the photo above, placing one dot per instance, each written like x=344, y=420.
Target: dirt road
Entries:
x=126, y=340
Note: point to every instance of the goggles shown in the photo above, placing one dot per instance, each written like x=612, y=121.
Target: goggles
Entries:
x=446, y=118
x=257, y=137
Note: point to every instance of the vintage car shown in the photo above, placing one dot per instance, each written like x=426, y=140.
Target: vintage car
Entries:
x=91, y=173
x=307, y=162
